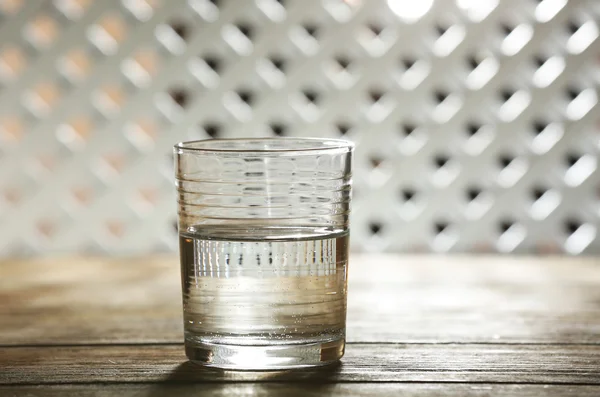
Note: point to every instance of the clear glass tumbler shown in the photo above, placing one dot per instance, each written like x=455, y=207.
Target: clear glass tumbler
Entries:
x=263, y=227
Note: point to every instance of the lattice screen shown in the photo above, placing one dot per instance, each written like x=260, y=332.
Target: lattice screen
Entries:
x=475, y=120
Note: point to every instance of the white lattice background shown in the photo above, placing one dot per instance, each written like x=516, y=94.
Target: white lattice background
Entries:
x=476, y=121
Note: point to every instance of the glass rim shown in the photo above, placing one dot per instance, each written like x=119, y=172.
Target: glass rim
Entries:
x=318, y=144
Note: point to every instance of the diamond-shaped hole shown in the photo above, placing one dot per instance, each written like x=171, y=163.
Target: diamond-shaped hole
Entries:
x=407, y=128
x=246, y=29
x=440, y=29
x=82, y=195
x=213, y=62
x=506, y=94
x=343, y=62
x=511, y=168
x=375, y=228
x=375, y=29
x=579, y=235
x=279, y=129
x=511, y=235
x=278, y=63
x=341, y=71
x=512, y=103
x=473, y=192
x=440, y=160
x=543, y=202
x=45, y=162
x=537, y=192
x=539, y=126
x=571, y=225
x=46, y=228
x=572, y=92
x=148, y=195
x=12, y=195
x=440, y=95
x=376, y=161
x=343, y=128
x=478, y=136
x=504, y=225
x=408, y=62
x=212, y=129
x=311, y=29
x=473, y=62
x=311, y=95
x=506, y=28
x=573, y=26
x=539, y=60
x=572, y=158
x=445, y=170
x=472, y=128
x=504, y=160
x=375, y=95
x=180, y=28
x=246, y=96
x=115, y=161
x=180, y=96
x=440, y=226
x=407, y=194
x=115, y=228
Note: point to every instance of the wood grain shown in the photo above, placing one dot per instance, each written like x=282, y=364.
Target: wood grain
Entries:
x=416, y=325
x=300, y=390
x=549, y=364
x=412, y=299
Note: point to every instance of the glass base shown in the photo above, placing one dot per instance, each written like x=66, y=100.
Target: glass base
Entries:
x=265, y=357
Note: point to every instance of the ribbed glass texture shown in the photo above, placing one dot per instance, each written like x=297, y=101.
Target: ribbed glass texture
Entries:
x=263, y=227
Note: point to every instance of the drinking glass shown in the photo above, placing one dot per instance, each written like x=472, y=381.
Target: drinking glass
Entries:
x=263, y=226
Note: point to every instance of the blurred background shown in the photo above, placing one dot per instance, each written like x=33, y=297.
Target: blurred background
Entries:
x=476, y=121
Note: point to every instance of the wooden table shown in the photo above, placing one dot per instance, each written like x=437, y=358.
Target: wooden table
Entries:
x=450, y=326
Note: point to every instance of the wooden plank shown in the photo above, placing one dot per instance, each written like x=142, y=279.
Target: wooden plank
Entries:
x=300, y=390
x=420, y=299
x=90, y=300
x=552, y=364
